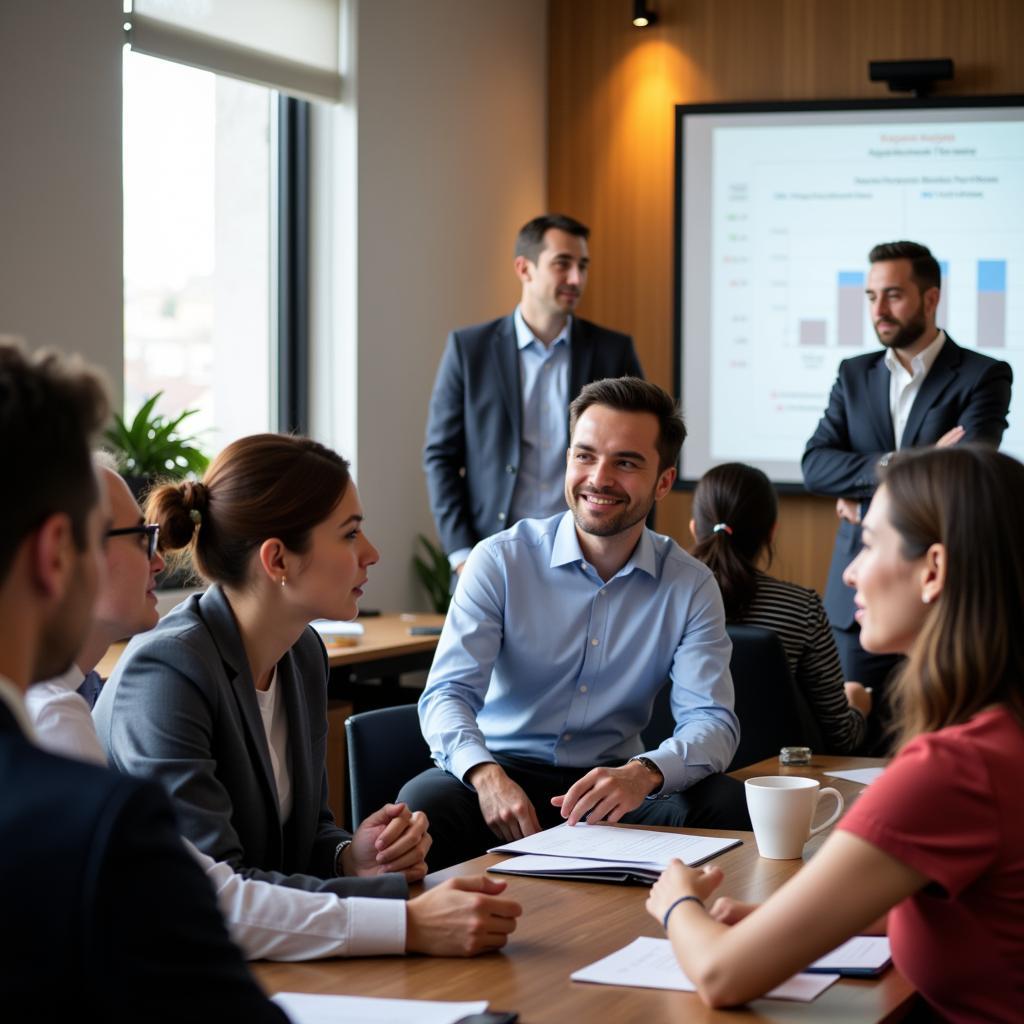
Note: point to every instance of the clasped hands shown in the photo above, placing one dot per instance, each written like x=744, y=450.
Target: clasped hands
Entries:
x=603, y=794
x=391, y=839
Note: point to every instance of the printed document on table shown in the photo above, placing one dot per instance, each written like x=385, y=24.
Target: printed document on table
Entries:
x=864, y=955
x=621, y=845
x=865, y=776
x=650, y=963
x=310, y=1009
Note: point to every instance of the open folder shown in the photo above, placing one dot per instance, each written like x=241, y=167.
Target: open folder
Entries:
x=601, y=853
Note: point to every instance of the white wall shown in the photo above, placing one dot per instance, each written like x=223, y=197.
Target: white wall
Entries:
x=444, y=133
x=60, y=177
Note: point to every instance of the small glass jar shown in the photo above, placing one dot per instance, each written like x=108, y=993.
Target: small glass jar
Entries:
x=792, y=756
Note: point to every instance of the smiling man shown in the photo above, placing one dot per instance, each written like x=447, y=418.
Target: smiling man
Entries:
x=497, y=424
x=921, y=389
x=561, y=633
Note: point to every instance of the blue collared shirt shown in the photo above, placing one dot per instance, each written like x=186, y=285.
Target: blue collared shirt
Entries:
x=540, y=658
x=544, y=380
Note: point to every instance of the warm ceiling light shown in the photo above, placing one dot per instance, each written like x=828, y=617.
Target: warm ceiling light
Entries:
x=642, y=17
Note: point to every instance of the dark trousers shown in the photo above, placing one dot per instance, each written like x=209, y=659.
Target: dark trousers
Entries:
x=872, y=670
x=460, y=832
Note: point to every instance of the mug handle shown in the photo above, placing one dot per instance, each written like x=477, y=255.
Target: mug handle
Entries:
x=828, y=791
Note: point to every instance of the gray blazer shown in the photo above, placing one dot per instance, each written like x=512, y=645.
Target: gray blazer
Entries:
x=181, y=709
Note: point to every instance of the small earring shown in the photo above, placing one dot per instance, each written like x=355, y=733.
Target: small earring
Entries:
x=926, y=598
x=284, y=579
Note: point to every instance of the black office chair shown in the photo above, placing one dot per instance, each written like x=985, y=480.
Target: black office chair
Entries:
x=385, y=750
x=772, y=711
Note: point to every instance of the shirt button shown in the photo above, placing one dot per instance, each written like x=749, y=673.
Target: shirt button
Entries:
x=583, y=687
x=501, y=517
x=567, y=737
x=594, y=642
x=510, y=469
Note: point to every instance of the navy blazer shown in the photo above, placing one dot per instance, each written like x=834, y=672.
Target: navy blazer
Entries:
x=181, y=709
x=105, y=914
x=471, y=456
x=963, y=388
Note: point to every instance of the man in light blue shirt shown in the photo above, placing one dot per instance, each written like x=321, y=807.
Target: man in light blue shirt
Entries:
x=561, y=633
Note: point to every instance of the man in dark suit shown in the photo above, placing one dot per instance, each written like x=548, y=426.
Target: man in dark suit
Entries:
x=104, y=914
x=923, y=389
x=497, y=430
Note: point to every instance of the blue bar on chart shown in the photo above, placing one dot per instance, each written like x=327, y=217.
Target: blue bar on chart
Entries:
x=942, y=313
x=992, y=303
x=812, y=332
x=850, y=308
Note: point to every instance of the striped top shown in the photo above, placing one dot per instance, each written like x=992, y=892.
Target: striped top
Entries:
x=796, y=614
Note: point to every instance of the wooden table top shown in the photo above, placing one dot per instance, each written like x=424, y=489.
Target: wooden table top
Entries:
x=567, y=925
x=386, y=636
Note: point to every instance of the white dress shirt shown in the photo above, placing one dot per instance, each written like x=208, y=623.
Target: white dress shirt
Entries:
x=267, y=922
x=904, y=385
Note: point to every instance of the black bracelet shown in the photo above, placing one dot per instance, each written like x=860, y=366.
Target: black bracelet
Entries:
x=682, y=899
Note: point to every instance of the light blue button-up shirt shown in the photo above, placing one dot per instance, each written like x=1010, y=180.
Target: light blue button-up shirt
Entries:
x=540, y=658
x=544, y=380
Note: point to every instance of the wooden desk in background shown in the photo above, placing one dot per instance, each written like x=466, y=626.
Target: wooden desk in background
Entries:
x=567, y=925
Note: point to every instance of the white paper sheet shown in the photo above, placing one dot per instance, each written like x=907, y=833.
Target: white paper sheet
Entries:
x=650, y=963
x=621, y=845
x=337, y=627
x=530, y=863
x=861, y=953
x=865, y=776
x=310, y=1009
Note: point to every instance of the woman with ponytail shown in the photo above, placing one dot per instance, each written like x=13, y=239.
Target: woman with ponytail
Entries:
x=735, y=510
x=225, y=701
x=934, y=849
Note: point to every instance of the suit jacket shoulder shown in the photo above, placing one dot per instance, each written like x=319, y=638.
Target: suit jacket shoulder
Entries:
x=102, y=903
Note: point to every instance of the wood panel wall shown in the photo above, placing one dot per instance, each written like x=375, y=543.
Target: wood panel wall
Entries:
x=612, y=90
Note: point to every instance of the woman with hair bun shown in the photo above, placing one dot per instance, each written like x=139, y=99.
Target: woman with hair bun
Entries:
x=225, y=701
x=936, y=844
x=735, y=512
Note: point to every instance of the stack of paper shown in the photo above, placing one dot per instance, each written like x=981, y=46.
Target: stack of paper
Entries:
x=865, y=776
x=334, y=630
x=599, y=853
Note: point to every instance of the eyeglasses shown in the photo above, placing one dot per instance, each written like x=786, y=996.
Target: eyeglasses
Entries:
x=151, y=531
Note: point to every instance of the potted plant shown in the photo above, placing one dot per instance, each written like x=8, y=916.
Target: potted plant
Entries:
x=151, y=448
x=435, y=574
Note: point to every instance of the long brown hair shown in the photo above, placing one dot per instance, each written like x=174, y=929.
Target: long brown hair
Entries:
x=969, y=654
x=739, y=501
x=261, y=486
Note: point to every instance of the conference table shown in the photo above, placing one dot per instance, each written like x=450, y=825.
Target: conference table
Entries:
x=568, y=925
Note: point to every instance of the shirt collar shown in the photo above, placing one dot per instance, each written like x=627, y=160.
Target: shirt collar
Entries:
x=12, y=698
x=922, y=362
x=70, y=680
x=525, y=337
x=566, y=550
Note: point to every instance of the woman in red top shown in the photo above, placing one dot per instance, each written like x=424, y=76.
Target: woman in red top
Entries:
x=937, y=843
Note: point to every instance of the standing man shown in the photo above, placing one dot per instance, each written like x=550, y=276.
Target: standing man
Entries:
x=923, y=389
x=86, y=932
x=496, y=430
x=560, y=635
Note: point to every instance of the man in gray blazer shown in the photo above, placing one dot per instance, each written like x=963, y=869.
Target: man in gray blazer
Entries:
x=497, y=430
x=921, y=389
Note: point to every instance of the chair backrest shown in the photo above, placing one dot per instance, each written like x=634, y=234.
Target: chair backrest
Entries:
x=773, y=713
x=385, y=750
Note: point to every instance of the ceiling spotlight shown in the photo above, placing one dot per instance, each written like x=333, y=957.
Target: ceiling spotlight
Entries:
x=642, y=17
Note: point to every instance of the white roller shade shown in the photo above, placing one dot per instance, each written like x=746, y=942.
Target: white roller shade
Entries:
x=290, y=45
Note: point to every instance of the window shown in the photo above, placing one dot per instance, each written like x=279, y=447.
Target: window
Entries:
x=199, y=258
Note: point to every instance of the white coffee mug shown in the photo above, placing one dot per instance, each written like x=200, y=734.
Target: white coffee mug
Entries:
x=781, y=810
